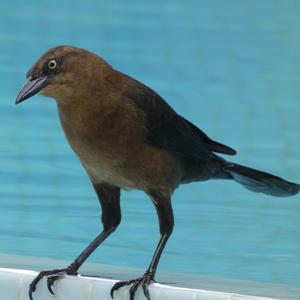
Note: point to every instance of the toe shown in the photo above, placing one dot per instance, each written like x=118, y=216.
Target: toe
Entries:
x=144, y=282
x=50, y=282
x=30, y=294
x=133, y=288
x=146, y=290
x=118, y=285
x=52, y=276
x=33, y=284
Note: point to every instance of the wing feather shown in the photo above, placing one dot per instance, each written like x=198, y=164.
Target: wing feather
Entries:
x=168, y=130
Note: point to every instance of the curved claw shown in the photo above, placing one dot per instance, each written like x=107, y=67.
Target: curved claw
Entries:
x=49, y=286
x=33, y=284
x=146, y=290
x=52, y=276
x=118, y=285
x=50, y=282
x=144, y=281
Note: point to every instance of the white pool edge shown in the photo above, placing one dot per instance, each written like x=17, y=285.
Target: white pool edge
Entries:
x=14, y=285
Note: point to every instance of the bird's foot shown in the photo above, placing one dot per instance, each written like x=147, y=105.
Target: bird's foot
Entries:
x=52, y=276
x=143, y=281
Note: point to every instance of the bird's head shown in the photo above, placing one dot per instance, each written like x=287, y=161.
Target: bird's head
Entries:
x=61, y=73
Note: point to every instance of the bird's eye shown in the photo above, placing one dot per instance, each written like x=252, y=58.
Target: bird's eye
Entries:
x=52, y=64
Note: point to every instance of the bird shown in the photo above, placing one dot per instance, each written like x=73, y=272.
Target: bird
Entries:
x=126, y=136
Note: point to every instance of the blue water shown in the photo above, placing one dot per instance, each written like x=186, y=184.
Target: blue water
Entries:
x=231, y=67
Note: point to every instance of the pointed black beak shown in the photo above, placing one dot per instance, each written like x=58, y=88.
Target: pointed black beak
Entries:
x=32, y=87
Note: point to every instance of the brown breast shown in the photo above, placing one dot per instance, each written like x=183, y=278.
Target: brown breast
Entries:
x=108, y=137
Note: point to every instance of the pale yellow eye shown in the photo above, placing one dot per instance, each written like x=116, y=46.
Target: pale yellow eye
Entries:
x=52, y=64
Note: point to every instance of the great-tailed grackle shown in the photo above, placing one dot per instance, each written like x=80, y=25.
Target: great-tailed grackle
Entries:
x=127, y=136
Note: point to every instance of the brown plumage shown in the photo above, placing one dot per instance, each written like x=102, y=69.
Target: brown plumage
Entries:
x=127, y=137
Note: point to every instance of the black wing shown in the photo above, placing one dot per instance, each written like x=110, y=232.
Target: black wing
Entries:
x=168, y=130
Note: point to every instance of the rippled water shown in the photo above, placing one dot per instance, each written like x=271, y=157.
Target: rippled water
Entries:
x=231, y=67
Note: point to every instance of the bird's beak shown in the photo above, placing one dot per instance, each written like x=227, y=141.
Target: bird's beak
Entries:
x=32, y=87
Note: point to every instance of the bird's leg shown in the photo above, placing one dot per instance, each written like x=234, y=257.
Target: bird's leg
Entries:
x=72, y=269
x=166, y=222
x=109, y=198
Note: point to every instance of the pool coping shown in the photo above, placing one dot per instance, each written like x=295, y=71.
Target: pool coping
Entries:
x=14, y=285
x=27, y=267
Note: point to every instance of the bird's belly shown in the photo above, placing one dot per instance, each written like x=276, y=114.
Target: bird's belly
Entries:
x=111, y=174
x=108, y=166
x=144, y=168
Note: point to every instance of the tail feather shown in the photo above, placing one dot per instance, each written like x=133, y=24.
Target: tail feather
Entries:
x=261, y=182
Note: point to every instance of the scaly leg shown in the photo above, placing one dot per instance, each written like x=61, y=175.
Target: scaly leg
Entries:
x=109, y=198
x=166, y=222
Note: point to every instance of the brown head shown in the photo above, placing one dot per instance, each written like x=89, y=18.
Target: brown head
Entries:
x=63, y=72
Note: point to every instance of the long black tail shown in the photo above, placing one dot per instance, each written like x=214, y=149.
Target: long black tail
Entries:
x=261, y=182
